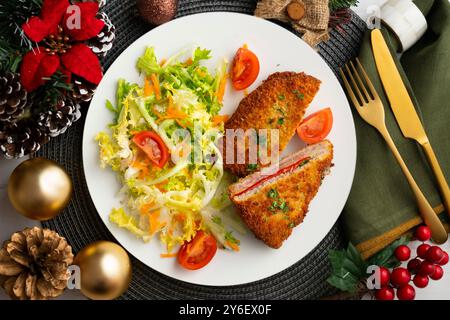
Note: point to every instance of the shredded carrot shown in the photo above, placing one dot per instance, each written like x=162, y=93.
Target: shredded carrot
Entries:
x=232, y=245
x=145, y=209
x=148, y=88
x=216, y=120
x=134, y=132
x=169, y=255
x=155, y=224
x=156, y=86
x=160, y=186
x=188, y=62
x=161, y=63
x=180, y=217
x=222, y=86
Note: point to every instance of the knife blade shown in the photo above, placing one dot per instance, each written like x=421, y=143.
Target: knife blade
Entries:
x=395, y=89
x=403, y=108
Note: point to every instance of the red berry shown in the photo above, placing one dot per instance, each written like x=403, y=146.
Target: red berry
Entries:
x=414, y=265
x=420, y=281
x=384, y=293
x=406, y=293
x=444, y=259
x=427, y=268
x=402, y=253
x=435, y=254
x=438, y=273
x=400, y=276
x=423, y=233
x=384, y=276
x=422, y=250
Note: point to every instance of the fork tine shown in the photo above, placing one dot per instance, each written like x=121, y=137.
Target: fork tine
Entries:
x=355, y=86
x=355, y=101
x=361, y=83
x=366, y=77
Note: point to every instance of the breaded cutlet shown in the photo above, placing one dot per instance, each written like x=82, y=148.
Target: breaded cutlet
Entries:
x=272, y=208
x=278, y=103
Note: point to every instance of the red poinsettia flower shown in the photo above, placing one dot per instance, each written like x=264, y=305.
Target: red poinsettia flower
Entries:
x=60, y=31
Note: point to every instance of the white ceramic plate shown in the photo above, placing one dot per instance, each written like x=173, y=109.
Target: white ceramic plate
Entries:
x=278, y=50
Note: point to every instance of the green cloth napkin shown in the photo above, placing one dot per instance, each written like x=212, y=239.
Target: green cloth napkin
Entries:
x=381, y=206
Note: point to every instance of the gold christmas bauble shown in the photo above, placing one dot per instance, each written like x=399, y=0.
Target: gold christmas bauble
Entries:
x=39, y=189
x=105, y=270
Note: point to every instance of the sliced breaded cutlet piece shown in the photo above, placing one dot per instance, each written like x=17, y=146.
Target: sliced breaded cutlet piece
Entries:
x=272, y=205
x=278, y=103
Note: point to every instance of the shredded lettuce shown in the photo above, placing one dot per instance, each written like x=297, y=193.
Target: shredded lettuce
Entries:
x=191, y=187
x=119, y=217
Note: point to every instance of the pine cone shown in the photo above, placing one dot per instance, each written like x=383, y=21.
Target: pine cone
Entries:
x=21, y=138
x=13, y=97
x=56, y=120
x=103, y=42
x=82, y=90
x=33, y=264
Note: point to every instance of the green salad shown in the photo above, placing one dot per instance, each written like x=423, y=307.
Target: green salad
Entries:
x=163, y=145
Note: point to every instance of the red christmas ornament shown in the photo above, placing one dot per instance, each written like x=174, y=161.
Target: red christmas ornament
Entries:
x=384, y=276
x=423, y=233
x=406, y=292
x=422, y=250
x=400, y=276
x=435, y=254
x=385, y=293
x=58, y=29
x=427, y=268
x=402, y=253
x=438, y=273
x=420, y=281
x=444, y=259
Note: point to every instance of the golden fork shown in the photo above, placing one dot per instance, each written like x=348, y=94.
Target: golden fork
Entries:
x=370, y=108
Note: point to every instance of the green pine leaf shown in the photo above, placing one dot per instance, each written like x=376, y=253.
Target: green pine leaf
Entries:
x=386, y=257
x=348, y=268
x=341, y=4
x=347, y=283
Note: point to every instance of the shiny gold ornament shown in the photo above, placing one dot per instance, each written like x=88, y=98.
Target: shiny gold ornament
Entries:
x=39, y=189
x=105, y=270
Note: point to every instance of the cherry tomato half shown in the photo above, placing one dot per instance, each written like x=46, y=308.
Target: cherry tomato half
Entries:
x=153, y=147
x=316, y=127
x=198, y=252
x=245, y=69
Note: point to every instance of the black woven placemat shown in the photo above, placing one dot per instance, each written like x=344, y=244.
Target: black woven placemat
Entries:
x=81, y=225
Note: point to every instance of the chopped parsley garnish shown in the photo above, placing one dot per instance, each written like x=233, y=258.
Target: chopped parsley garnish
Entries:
x=298, y=94
x=273, y=193
x=291, y=225
x=303, y=163
x=229, y=237
x=281, y=121
x=217, y=220
x=278, y=203
x=281, y=97
x=252, y=166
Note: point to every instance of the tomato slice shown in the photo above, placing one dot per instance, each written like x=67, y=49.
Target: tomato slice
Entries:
x=198, y=252
x=245, y=69
x=153, y=147
x=316, y=127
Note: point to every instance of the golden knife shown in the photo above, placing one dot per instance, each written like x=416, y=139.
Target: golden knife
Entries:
x=404, y=110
